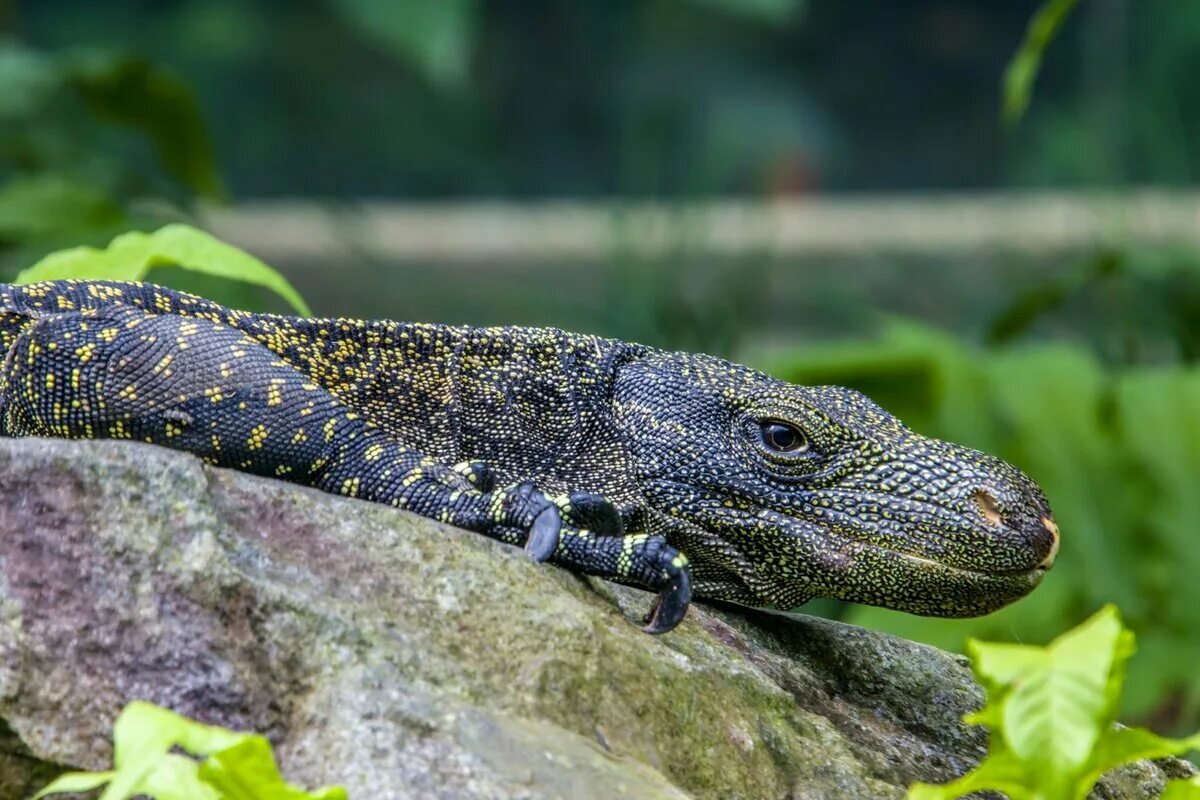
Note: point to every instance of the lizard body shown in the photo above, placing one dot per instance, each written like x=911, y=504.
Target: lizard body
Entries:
x=681, y=473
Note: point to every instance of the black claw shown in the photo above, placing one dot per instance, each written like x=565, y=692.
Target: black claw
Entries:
x=597, y=514
x=543, y=534
x=671, y=604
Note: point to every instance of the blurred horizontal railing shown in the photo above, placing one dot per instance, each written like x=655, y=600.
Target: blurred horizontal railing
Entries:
x=474, y=231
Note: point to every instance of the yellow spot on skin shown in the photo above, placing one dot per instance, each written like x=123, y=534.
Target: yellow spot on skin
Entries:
x=258, y=435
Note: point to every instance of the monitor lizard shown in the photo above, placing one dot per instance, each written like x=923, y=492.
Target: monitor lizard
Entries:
x=681, y=473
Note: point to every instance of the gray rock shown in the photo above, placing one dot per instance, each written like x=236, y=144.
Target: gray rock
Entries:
x=405, y=659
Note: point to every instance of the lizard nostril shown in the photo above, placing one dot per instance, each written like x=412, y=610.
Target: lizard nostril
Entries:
x=988, y=507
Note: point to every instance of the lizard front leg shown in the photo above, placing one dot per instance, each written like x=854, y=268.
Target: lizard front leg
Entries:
x=209, y=389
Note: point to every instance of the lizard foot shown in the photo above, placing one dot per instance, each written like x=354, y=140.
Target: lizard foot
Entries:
x=583, y=532
x=637, y=559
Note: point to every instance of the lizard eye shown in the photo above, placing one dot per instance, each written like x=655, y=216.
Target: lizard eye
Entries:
x=782, y=437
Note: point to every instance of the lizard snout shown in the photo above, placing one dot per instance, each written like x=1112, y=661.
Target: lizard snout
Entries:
x=1026, y=517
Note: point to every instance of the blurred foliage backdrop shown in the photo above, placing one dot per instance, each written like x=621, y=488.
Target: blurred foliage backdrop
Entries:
x=1078, y=365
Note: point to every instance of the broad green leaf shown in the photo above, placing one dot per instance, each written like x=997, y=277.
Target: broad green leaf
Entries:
x=1023, y=69
x=237, y=766
x=130, y=256
x=247, y=771
x=1060, y=703
x=1050, y=711
x=1120, y=745
x=1001, y=772
x=146, y=728
x=176, y=777
x=72, y=782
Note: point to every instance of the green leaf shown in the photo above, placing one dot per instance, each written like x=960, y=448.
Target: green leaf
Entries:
x=146, y=728
x=1001, y=772
x=176, y=777
x=1183, y=789
x=247, y=771
x=238, y=766
x=1062, y=701
x=71, y=782
x=135, y=93
x=1023, y=68
x=436, y=36
x=131, y=256
x=1121, y=745
x=1050, y=710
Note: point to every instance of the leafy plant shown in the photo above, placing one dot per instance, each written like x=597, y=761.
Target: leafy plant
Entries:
x=1051, y=712
x=132, y=255
x=232, y=766
x=92, y=143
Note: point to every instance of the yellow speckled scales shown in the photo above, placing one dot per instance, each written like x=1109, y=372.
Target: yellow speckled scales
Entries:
x=602, y=456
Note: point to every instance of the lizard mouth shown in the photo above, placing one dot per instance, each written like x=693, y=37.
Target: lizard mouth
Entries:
x=864, y=565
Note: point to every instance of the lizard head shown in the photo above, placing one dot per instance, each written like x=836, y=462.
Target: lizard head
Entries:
x=779, y=493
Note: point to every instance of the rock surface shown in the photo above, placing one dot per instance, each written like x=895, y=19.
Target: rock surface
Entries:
x=405, y=659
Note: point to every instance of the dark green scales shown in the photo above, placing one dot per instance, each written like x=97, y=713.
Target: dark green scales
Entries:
x=680, y=473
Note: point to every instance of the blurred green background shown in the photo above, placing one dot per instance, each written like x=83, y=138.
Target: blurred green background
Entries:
x=828, y=190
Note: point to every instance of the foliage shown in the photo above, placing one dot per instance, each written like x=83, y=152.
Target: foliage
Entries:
x=1023, y=69
x=1147, y=300
x=86, y=139
x=436, y=37
x=130, y=256
x=1051, y=712
x=1115, y=450
x=232, y=766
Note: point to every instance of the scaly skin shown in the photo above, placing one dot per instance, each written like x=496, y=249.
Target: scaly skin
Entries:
x=680, y=473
